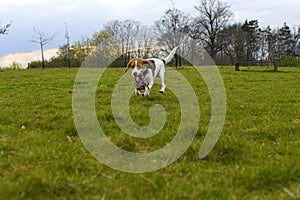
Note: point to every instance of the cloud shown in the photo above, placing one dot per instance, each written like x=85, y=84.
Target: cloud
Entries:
x=68, y=7
x=25, y=58
x=20, y=3
x=118, y=3
x=268, y=12
x=85, y=17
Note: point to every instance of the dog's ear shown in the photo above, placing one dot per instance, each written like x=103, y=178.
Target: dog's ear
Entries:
x=145, y=62
x=129, y=64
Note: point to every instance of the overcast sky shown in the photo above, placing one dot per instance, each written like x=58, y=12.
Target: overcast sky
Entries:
x=85, y=17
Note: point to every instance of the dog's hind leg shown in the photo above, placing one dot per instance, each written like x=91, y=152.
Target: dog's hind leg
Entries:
x=162, y=80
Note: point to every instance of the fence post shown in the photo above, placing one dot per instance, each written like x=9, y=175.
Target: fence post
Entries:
x=275, y=66
x=237, y=66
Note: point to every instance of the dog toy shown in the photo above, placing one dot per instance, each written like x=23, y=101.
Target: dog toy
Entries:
x=140, y=82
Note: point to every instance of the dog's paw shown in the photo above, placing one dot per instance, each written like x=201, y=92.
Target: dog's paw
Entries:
x=137, y=92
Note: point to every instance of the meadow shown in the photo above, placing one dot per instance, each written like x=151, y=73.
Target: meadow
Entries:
x=256, y=157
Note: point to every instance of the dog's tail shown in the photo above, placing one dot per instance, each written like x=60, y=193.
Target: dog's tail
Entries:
x=170, y=56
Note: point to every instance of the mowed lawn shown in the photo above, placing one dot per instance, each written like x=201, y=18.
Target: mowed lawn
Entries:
x=256, y=157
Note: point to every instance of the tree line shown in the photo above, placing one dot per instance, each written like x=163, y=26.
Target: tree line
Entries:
x=226, y=42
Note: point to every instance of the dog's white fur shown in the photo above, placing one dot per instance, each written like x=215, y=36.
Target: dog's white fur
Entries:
x=145, y=68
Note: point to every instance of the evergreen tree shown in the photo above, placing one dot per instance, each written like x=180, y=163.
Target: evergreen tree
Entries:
x=286, y=42
x=252, y=38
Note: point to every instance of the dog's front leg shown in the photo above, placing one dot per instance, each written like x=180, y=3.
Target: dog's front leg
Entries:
x=137, y=92
x=147, y=92
x=148, y=88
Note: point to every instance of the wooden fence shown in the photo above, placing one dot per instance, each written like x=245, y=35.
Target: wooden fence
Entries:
x=256, y=63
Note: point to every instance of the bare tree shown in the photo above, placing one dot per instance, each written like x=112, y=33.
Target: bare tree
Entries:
x=172, y=29
x=42, y=40
x=124, y=33
x=67, y=36
x=4, y=30
x=145, y=43
x=213, y=17
x=234, y=43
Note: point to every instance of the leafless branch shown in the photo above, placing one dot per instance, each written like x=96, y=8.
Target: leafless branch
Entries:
x=42, y=40
x=4, y=30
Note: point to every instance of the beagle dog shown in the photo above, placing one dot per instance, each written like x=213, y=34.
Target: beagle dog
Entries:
x=145, y=71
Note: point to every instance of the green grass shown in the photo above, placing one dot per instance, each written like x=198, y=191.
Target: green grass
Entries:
x=256, y=157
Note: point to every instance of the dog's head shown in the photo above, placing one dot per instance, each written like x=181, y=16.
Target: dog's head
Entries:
x=141, y=69
x=138, y=65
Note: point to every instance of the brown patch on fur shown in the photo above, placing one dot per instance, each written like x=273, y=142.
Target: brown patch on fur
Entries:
x=139, y=62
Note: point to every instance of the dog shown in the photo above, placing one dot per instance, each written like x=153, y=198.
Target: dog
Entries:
x=145, y=71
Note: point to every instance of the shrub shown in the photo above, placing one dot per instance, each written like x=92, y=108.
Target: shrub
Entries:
x=15, y=65
x=35, y=64
x=289, y=61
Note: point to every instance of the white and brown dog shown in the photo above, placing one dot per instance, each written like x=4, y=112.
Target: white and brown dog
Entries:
x=146, y=70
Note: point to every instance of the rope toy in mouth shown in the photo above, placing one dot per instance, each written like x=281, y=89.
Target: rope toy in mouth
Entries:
x=140, y=82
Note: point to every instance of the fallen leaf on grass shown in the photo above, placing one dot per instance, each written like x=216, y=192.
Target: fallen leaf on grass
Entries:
x=244, y=106
x=23, y=127
x=145, y=150
x=290, y=193
x=37, y=117
x=71, y=140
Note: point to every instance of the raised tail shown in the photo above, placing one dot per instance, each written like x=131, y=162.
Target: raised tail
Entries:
x=170, y=56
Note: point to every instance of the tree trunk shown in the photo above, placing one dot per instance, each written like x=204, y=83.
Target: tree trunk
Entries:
x=43, y=60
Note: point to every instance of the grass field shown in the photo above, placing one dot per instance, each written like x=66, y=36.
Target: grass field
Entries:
x=256, y=157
